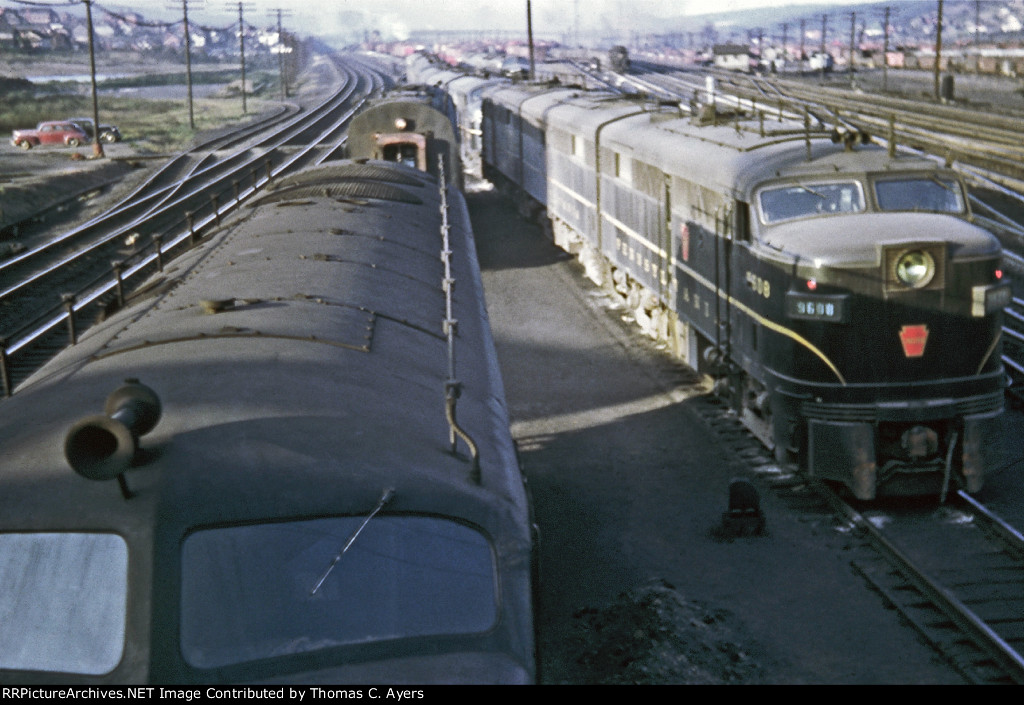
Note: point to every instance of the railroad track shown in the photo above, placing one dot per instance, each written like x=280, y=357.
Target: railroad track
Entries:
x=90, y=270
x=955, y=571
x=957, y=575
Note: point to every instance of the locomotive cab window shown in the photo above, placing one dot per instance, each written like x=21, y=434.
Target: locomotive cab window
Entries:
x=407, y=154
x=266, y=590
x=63, y=601
x=931, y=194
x=806, y=200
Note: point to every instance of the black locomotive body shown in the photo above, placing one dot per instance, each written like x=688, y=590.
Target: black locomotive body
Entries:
x=839, y=295
x=326, y=493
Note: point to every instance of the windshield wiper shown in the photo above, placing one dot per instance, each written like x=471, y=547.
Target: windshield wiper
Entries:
x=384, y=499
x=812, y=191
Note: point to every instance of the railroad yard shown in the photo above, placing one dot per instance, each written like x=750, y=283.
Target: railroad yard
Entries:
x=627, y=454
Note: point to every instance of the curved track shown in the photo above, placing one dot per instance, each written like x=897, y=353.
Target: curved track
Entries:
x=90, y=269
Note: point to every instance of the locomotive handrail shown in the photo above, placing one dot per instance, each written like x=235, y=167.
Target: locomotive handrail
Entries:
x=452, y=386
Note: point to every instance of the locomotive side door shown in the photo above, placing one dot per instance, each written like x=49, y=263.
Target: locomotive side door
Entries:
x=700, y=254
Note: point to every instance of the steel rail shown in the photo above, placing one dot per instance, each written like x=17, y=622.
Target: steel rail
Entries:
x=329, y=133
x=1013, y=538
x=983, y=636
x=175, y=196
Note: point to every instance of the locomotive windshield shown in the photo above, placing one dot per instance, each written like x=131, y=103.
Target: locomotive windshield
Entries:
x=63, y=598
x=810, y=199
x=247, y=591
x=920, y=194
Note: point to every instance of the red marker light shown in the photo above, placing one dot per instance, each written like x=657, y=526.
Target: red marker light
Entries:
x=999, y=274
x=811, y=285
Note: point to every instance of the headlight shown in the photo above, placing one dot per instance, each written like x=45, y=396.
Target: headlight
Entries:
x=915, y=268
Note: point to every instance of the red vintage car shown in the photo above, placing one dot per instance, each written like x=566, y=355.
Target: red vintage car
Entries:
x=66, y=133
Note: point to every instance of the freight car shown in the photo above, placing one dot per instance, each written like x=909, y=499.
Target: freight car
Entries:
x=302, y=472
x=838, y=293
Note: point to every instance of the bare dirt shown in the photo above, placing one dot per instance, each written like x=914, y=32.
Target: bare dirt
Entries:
x=44, y=183
x=652, y=635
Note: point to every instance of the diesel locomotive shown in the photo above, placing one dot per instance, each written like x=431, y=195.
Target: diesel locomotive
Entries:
x=838, y=291
x=286, y=459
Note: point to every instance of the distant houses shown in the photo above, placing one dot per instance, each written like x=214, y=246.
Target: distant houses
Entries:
x=34, y=29
x=734, y=57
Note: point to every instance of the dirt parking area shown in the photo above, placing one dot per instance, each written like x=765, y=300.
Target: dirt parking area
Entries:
x=45, y=182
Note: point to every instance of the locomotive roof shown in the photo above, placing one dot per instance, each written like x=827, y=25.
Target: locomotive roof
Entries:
x=737, y=162
x=718, y=156
x=316, y=384
x=532, y=99
x=583, y=112
x=462, y=86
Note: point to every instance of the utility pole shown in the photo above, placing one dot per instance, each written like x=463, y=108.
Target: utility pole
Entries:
x=97, y=146
x=885, y=54
x=241, y=50
x=280, y=54
x=853, y=31
x=785, y=39
x=803, y=35
x=529, y=38
x=938, y=49
x=824, y=29
x=188, y=63
x=576, y=22
x=977, y=23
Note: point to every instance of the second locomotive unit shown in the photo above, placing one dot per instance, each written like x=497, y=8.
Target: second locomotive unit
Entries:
x=838, y=292
x=303, y=472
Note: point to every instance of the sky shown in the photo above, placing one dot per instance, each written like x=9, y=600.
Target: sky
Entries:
x=398, y=17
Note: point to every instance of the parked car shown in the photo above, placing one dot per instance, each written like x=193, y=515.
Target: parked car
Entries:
x=108, y=133
x=67, y=133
